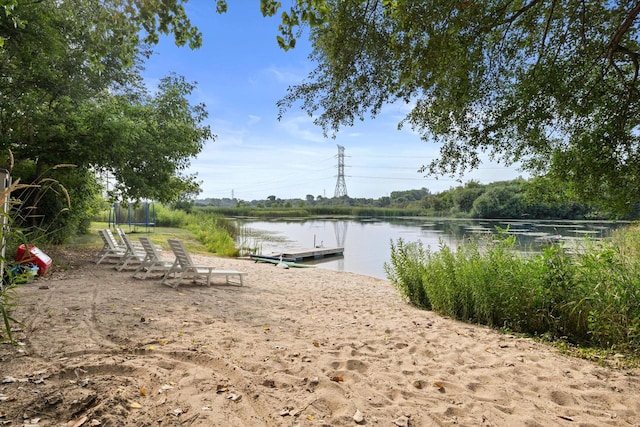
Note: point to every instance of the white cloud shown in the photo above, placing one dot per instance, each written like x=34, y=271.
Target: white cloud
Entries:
x=302, y=128
x=287, y=76
x=253, y=120
x=254, y=154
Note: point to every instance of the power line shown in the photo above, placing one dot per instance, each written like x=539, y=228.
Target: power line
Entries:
x=395, y=177
x=302, y=175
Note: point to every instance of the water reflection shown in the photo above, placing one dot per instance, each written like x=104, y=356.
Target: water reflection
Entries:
x=367, y=242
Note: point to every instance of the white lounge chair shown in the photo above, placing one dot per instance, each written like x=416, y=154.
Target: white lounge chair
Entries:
x=121, y=235
x=186, y=268
x=152, y=260
x=113, y=239
x=132, y=254
x=110, y=249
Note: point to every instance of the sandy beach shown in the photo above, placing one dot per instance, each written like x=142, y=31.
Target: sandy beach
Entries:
x=296, y=347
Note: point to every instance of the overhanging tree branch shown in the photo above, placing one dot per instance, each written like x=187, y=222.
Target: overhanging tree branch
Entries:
x=615, y=46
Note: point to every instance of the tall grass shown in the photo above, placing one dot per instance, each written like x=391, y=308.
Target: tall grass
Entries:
x=215, y=232
x=10, y=239
x=15, y=230
x=168, y=217
x=589, y=297
x=408, y=264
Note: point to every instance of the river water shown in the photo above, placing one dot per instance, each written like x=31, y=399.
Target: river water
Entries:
x=367, y=243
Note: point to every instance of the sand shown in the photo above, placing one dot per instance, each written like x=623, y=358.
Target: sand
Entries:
x=296, y=347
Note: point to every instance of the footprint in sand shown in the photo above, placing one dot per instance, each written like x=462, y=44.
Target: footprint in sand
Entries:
x=357, y=365
x=351, y=365
x=561, y=398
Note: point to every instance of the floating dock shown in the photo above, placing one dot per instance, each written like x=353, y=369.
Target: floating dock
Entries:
x=313, y=253
x=302, y=254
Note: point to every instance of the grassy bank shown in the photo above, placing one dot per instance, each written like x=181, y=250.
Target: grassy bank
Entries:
x=589, y=297
x=212, y=230
x=158, y=236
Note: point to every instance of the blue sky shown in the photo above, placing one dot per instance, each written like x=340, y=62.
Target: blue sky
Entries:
x=241, y=74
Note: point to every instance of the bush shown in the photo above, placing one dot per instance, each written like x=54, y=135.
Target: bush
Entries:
x=45, y=206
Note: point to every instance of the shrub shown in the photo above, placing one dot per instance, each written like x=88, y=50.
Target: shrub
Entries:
x=45, y=206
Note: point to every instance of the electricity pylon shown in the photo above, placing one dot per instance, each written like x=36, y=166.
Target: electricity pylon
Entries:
x=341, y=185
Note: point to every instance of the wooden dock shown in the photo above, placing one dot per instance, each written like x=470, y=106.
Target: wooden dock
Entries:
x=301, y=254
x=313, y=253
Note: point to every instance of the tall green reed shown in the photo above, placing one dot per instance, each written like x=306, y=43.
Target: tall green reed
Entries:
x=215, y=232
x=406, y=272
x=589, y=297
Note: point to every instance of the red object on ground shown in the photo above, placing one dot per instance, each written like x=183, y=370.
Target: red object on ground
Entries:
x=36, y=256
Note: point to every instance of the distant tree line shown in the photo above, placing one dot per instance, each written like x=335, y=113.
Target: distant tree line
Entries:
x=518, y=198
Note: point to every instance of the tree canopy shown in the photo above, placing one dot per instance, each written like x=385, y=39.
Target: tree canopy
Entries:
x=552, y=84
x=71, y=92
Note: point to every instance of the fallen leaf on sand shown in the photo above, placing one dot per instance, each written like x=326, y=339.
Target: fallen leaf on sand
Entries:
x=77, y=423
x=337, y=378
x=164, y=388
x=134, y=405
x=234, y=397
x=439, y=385
x=401, y=421
x=143, y=391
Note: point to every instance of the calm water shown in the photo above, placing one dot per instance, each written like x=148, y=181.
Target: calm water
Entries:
x=367, y=242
